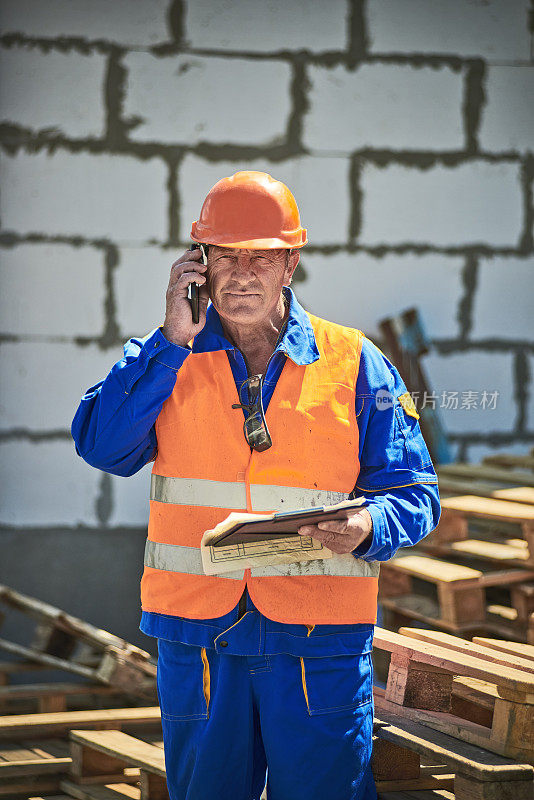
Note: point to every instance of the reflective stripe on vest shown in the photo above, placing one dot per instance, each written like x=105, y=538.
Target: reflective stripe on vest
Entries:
x=224, y=494
x=177, y=558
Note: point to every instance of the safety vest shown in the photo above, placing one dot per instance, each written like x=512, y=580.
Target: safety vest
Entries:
x=205, y=469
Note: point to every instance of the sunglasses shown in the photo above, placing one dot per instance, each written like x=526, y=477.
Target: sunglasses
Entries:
x=255, y=427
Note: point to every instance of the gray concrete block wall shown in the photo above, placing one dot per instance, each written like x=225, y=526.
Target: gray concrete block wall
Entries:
x=405, y=129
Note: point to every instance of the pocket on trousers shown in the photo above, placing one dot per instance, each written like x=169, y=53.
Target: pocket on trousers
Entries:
x=336, y=683
x=183, y=681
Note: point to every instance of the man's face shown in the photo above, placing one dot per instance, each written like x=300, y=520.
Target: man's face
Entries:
x=245, y=285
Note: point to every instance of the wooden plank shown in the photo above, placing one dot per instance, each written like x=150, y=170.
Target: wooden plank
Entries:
x=25, y=725
x=470, y=648
x=489, y=508
x=433, y=570
x=121, y=746
x=510, y=460
x=29, y=787
x=428, y=779
x=505, y=677
x=513, y=553
x=460, y=756
x=455, y=486
x=514, y=648
x=116, y=791
x=35, y=690
x=39, y=766
x=438, y=571
x=518, y=494
x=485, y=472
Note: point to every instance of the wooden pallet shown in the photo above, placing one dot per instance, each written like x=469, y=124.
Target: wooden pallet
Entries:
x=35, y=754
x=452, y=596
x=423, y=677
x=62, y=641
x=468, y=771
x=104, y=757
x=503, y=519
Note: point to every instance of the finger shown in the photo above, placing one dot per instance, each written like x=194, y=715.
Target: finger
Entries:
x=189, y=255
x=183, y=281
x=186, y=266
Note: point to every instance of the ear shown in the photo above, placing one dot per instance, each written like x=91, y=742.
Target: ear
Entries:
x=294, y=258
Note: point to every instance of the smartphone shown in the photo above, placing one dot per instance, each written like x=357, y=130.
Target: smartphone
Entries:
x=193, y=293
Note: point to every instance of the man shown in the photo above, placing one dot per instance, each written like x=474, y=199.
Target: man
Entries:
x=257, y=407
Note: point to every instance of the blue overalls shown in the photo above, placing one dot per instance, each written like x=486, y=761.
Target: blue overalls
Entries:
x=241, y=692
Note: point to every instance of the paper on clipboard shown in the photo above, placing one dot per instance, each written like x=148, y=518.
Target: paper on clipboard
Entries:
x=245, y=541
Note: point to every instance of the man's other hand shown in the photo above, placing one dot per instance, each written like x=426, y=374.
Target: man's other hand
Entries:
x=343, y=535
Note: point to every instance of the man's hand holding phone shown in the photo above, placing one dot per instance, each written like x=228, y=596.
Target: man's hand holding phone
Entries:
x=179, y=327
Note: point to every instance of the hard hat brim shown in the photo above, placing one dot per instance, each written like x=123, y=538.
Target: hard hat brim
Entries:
x=292, y=241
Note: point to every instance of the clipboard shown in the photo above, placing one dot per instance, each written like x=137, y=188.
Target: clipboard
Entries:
x=284, y=523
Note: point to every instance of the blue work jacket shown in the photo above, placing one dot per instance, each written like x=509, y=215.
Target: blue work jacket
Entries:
x=114, y=430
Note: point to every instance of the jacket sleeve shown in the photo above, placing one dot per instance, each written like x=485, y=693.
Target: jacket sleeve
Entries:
x=396, y=476
x=113, y=428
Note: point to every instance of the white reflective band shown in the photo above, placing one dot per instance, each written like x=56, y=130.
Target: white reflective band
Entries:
x=339, y=565
x=226, y=494
x=276, y=498
x=198, y=492
x=177, y=558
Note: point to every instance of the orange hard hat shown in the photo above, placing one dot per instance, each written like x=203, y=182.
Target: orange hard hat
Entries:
x=249, y=209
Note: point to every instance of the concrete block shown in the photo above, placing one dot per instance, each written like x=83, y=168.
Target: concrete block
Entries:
x=359, y=290
x=45, y=483
x=504, y=299
x=384, y=106
x=320, y=186
x=52, y=289
x=64, y=194
x=474, y=203
x=187, y=99
x=471, y=374
x=42, y=382
x=125, y=22
x=60, y=92
x=507, y=120
x=131, y=500
x=489, y=29
x=256, y=26
x=141, y=281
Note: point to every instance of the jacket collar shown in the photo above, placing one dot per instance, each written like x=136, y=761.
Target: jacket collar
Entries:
x=298, y=341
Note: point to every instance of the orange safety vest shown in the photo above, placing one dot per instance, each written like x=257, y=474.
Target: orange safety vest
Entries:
x=205, y=469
